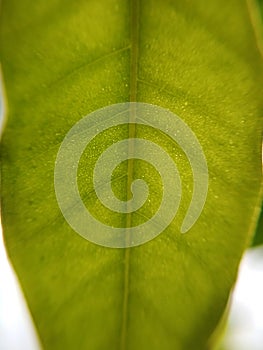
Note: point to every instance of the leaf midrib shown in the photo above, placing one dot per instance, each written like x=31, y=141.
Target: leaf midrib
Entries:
x=134, y=33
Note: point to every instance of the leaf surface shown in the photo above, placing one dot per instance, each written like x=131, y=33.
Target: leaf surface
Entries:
x=62, y=60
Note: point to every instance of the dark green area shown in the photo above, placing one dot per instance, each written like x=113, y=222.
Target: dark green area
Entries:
x=258, y=238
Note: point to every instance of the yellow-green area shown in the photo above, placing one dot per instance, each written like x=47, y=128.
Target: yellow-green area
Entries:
x=62, y=60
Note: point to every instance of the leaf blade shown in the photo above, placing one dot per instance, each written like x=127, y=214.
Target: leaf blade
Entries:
x=190, y=83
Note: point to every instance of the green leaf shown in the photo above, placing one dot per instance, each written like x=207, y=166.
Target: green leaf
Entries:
x=258, y=237
x=62, y=60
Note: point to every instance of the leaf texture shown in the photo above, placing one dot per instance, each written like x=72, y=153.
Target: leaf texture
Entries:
x=62, y=60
